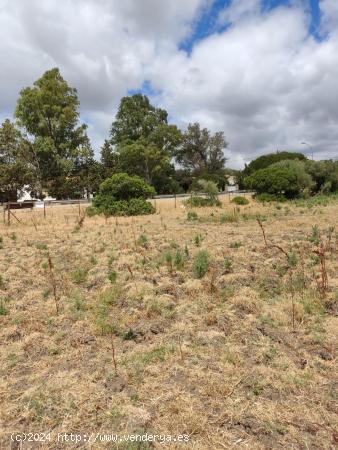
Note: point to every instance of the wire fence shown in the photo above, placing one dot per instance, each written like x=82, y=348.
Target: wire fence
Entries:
x=10, y=209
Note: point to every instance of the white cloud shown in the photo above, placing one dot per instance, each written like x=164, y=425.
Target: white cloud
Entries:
x=264, y=80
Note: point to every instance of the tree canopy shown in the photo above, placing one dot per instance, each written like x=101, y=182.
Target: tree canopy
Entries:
x=266, y=160
x=48, y=113
x=201, y=151
x=287, y=178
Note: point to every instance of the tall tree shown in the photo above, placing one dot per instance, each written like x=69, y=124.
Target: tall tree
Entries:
x=108, y=156
x=143, y=142
x=136, y=118
x=15, y=171
x=200, y=151
x=49, y=113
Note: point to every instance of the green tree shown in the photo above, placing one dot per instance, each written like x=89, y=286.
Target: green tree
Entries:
x=147, y=161
x=200, y=151
x=143, y=143
x=287, y=178
x=270, y=158
x=49, y=113
x=138, y=119
x=324, y=174
x=15, y=172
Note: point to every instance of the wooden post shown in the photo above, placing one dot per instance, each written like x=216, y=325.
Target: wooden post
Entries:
x=4, y=211
x=175, y=200
x=155, y=203
x=8, y=213
x=44, y=209
x=79, y=209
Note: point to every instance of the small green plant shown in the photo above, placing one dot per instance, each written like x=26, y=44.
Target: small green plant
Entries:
x=46, y=293
x=240, y=200
x=201, y=264
x=143, y=241
x=315, y=235
x=112, y=276
x=179, y=259
x=77, y=305
x=91, y=211
x=13, y=236
x=168, y=258
x=292, y=259
x=236, y=244
x=111, y=258
x=1, y=242
x=227, y=265
x=41, y=246
x=3, y=309
x=192, y=216
x=79, y=275
x=198, y=239
x=93, y=260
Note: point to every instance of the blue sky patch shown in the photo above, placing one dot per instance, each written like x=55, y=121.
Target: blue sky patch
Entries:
x=208, y=24
x=145, y=89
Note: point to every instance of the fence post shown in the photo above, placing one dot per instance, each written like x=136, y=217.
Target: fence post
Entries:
x=44, y=209
x=79, y=209
x=175, y=200
x=8, y=213
x=4, y=211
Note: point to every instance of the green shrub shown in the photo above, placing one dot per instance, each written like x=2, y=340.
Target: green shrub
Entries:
x=287, y=178
x=91, y=211
x=79, y=275
x=192, y=215
x=265, y=197
x=240, y=200
x=124, y=195
x=112, y=276
x=143, y=241
x=198, y=240
x=200, y=264
x=198, y=202
x=41, y=246
x=3, y=309
x=227, y=265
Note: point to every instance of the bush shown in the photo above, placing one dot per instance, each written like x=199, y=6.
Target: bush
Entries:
x=211, y=191
x=124, y=195
x=197, y=202
x=270, y=198
x=91, y=211
x=192, y=215
x=122, y=186
x=287, y=178
x=240, y=200
x=201, y=264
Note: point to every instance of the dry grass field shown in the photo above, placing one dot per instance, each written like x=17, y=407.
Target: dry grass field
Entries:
x=111, y=326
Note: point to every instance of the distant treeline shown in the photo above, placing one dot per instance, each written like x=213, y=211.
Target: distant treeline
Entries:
x=47, y=150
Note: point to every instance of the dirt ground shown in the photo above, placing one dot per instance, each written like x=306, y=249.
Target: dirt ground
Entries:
x=112, y=327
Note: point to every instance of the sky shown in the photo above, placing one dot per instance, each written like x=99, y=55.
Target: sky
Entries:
x=263, y=71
